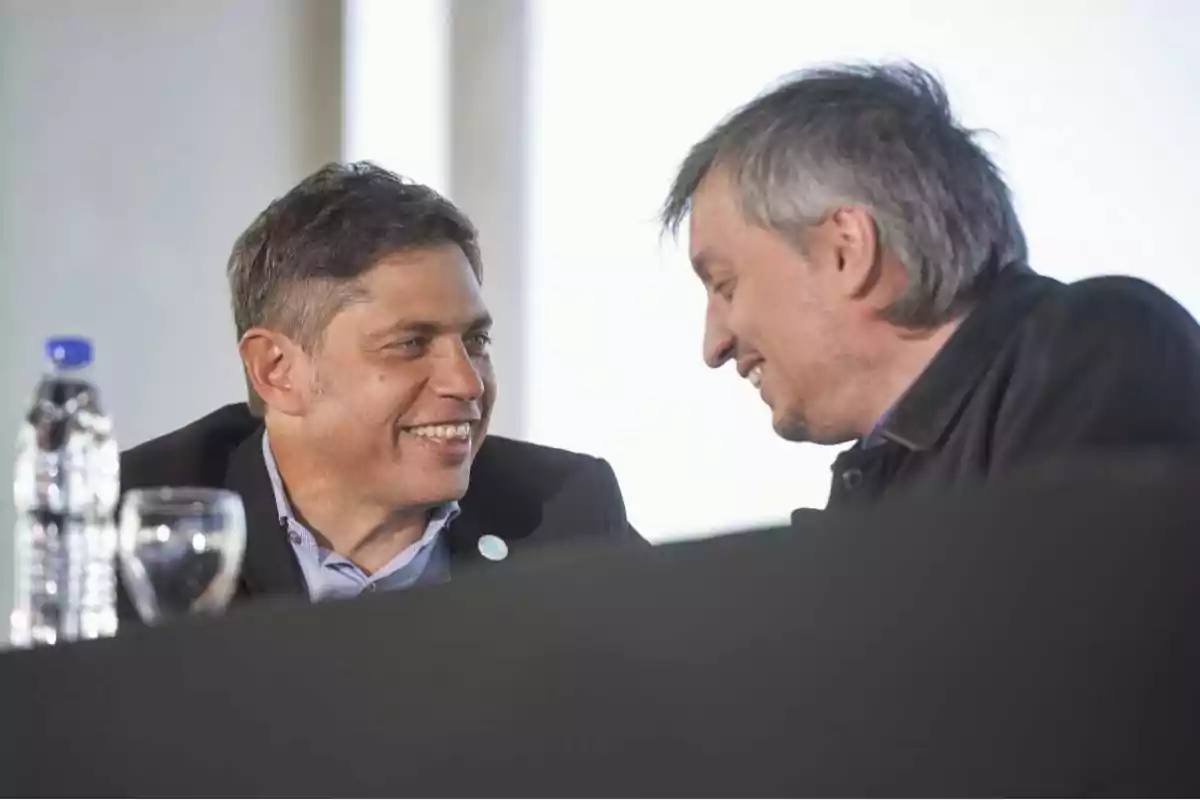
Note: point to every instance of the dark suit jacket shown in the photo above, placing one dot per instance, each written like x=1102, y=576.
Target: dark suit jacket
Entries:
x=534, y=498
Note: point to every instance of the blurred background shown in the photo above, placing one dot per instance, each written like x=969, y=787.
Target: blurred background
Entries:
x=139, y=137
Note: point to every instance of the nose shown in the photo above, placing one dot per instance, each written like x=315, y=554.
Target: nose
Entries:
x=718, y=339
x=455, y=374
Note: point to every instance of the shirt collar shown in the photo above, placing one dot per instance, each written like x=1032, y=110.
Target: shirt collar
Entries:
x=876, y=437
x=438, y=519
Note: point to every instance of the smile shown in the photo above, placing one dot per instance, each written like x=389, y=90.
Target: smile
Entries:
x=450, y=431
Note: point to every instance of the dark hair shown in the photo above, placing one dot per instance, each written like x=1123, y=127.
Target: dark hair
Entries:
x=297, y=264
x=880, y=136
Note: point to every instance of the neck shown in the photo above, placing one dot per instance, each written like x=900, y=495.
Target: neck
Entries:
x=343, y=521
x=912, y=353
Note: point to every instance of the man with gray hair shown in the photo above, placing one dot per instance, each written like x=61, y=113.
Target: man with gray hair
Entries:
x=866, y=271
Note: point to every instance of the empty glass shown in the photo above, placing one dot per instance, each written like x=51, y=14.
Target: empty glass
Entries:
x=181, y=550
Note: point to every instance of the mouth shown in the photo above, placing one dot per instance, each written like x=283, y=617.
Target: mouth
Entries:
x=755, y=376
x=751, y=370
x=450, y=442
x=445, y=431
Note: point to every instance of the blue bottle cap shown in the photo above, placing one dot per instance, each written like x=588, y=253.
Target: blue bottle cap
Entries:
x=69, y=352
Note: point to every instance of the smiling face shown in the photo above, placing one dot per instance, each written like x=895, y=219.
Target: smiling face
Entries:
x=787, y=319
x=397, y=395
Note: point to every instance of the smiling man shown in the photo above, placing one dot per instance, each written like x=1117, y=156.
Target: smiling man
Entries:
x=363, y=459
x=867, y=272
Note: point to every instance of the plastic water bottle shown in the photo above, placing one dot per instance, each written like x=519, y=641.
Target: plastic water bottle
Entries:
x=65, y=487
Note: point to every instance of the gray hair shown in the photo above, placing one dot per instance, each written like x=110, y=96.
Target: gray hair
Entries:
x=879, y=136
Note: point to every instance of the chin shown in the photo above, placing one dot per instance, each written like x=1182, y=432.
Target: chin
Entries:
x=792, y=433
x=436, y=492
x=794, y=430
x=796, y=427
x=423, y=487
x=790, y=426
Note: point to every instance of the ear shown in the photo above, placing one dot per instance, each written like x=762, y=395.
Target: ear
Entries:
x=274, y=368
x=854, y=241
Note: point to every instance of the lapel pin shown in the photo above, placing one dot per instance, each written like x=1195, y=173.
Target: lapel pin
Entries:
x=492, y=548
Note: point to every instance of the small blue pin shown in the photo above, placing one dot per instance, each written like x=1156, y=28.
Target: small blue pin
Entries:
x=492, y=548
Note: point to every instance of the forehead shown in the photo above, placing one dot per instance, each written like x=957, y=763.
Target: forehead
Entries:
x=715, y=223
x=434, y=281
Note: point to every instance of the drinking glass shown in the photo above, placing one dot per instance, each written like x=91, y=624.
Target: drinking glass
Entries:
x=181, y=550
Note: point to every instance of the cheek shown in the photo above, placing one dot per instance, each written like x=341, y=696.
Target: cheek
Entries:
x=366, y=395
x=777, y=324
x=754, y=315
x=390, y=391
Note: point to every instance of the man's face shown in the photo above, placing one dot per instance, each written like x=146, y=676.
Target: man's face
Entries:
x=401, y=385
x=779, y=315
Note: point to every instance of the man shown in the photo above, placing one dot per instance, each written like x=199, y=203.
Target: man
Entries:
x=866, y=271
x=361, y=459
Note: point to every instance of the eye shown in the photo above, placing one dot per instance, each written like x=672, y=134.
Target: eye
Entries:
x=725, y=288
x=478, y=342
x=414, y=345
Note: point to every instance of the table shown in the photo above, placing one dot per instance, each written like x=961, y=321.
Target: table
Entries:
x=1036, y=636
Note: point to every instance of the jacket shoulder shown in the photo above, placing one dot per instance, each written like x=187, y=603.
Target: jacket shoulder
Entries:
x=195, y=455
x=1102, y=324
x=1122, y=305
x=535, y=455
x=527, y=472
x=1111, y=362
x=520, y=489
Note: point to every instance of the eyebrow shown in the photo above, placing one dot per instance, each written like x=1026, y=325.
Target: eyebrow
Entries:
x=430, y=328
x=700, y=265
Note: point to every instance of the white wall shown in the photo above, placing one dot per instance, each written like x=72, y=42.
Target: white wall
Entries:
x=396, y=99
x=1096, y=110
x=489, y=178
x=436, y=91
x=137, y=139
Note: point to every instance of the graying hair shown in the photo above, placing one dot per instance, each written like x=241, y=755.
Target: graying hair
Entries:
x=883, y=137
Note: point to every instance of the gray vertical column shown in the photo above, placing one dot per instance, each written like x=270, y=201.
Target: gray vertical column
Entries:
x=137, y=139
x=489, y=124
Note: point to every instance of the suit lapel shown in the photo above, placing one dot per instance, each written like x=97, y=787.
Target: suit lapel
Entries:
x=462, y=536
x=270, y=565
x=479, y=540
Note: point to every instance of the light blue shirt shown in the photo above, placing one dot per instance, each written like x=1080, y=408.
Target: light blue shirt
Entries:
x=328, y=574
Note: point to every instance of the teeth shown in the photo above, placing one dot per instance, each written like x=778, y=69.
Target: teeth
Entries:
x=461, y=430
x=755, y=376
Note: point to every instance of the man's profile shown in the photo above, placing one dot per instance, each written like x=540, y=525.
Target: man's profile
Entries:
x=867, y=272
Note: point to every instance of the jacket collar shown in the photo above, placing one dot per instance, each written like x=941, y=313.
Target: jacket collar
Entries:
x=269, y=566
x=463, y=535
x=922, y=415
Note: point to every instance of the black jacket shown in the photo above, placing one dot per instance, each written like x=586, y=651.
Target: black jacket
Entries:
x=1038, y=369
x=533, y=497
